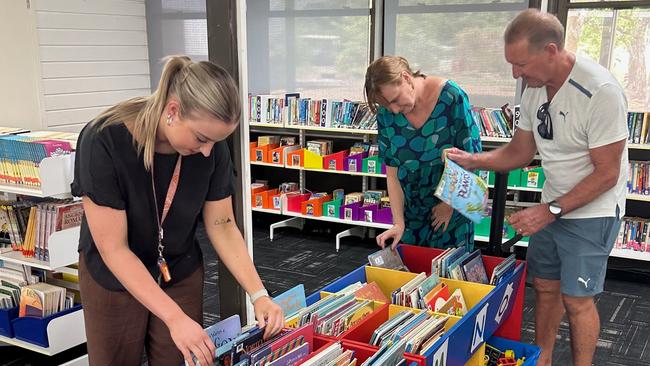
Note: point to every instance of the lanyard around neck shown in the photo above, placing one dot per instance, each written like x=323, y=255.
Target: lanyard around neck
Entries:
x=169, y=198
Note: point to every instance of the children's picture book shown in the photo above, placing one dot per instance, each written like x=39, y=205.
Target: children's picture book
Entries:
x=371, y=291
x=387, y=258
x=292, y=300
x=455, y=305
x=473, y=268
x=224, y=331
x=466, y=192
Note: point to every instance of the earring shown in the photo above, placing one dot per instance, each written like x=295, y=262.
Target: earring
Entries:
x=169, y=120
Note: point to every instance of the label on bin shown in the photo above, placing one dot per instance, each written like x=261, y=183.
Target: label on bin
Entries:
x=440, y=357
x=505, y=303
x=479, y=329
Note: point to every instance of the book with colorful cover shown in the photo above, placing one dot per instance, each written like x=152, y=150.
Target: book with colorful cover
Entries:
x=474, y=269
x=371, y=291
x=224, y=331
x=466, y=192
x=292, y=300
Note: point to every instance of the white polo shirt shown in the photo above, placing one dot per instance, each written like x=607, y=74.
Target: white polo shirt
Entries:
x=588, y=111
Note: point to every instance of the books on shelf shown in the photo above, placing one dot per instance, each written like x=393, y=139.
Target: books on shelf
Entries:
x=638, y=127
x=634, y=234
x=26, y=226
x=43, y=299
x=493, y=122
x=638, y=177
x=21, y=155
x=291, y=110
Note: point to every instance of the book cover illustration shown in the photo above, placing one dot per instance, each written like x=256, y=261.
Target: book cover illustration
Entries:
x=387, y=258
x=466, y=192
x=292, y=300
x=224, y=331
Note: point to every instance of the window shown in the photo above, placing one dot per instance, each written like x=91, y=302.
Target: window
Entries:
x=618, y=39
x=457, y=39
x=319, y=48
x=175, y=27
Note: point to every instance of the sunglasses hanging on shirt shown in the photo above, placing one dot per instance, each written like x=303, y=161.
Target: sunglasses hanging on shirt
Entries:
x=545, y=128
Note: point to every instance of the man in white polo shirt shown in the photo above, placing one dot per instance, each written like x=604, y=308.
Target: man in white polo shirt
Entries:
x=574, y=113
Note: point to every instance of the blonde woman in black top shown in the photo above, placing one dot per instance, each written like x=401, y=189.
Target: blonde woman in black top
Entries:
x=146, y=169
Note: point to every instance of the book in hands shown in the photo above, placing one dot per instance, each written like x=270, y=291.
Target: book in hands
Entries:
x=464, y=191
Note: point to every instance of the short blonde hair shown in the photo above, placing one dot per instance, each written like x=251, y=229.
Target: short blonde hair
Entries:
x=538, y=28
x=384, y=71
x=199, y=87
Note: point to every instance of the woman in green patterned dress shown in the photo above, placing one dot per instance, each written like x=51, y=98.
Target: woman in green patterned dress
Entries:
x=418, y=117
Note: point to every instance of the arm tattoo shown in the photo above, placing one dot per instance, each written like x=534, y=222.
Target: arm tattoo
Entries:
x=222, y=221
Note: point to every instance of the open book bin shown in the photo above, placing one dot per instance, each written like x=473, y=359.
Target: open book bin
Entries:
x=313, y=160
x=372, y=213
x=335, y=161
x=351, y=211
x=314, y=206
x=6, y=316
x=263, y=153
x=354, y=163
x=507, y=299
x=263, y=199
x=295, y=158
x=374, y=165
x=491, y=309
x=531, y=352
x=294, y=201
x=34, y=330
x=332, y=208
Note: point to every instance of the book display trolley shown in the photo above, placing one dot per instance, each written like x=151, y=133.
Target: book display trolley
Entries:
x=494, y=313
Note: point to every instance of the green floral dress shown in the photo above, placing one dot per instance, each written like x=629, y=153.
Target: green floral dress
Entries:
x=416, y=153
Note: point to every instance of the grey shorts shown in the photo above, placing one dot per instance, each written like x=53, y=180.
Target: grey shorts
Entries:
x=574, y=251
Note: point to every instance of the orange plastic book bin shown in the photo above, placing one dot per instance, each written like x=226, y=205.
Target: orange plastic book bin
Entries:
x=263, y=199
x=263, y=153
x=296, y=158
x=314, y=206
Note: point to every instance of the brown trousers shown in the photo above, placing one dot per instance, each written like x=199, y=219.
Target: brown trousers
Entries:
x=119, y=328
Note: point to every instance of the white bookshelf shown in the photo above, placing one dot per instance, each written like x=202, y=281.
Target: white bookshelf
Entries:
x=333, y=129
x=62, y=249
x=375, y=225
x=638, y=197
x=522, y=189
x=630, y=254
x=344, y=172
x=55, y=173
x=638, y=146
x=63, y=333
x=262, y=163
x=66, y=331
x=357, y=131
x=266, y=125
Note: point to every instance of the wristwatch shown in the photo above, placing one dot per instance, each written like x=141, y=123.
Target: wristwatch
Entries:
x=258, y=294
x=555, y=209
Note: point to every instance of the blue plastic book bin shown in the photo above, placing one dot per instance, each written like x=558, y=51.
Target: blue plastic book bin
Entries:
x=6, y=316
x=531, y=352
x=34, y=330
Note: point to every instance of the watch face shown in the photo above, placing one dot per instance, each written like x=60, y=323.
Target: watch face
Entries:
x=555, y=209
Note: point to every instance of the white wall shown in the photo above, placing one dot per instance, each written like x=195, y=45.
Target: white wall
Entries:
x=19, y=68
x=93, y=53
